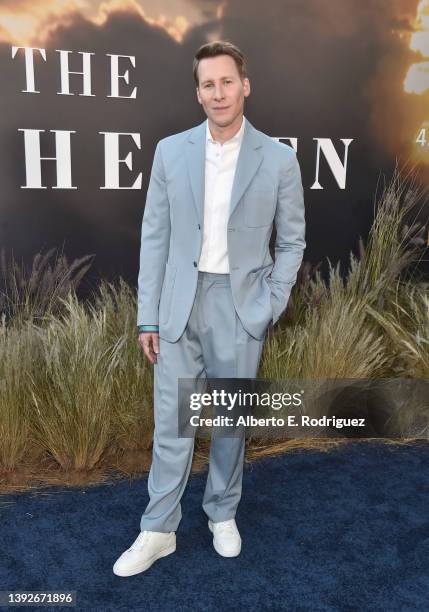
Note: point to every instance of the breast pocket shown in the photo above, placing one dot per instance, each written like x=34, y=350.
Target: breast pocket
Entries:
x=259, y=207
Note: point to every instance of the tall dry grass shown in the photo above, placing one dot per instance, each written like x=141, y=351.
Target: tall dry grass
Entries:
x=406, y=325
x=17, y=354
x=72, y=388
x=351, y=327
x=29, y=295
x=74, y=384
x=332, y=334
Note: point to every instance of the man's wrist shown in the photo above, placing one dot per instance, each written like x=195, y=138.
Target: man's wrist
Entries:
x=148, y=328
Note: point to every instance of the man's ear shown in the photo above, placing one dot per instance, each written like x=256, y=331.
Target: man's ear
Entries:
x=246, y=86
x=198, y=95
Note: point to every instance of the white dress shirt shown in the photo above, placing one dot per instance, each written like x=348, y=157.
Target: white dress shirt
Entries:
x=220, y=164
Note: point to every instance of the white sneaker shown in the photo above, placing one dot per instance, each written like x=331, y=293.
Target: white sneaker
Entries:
x=145, y=550
x=226, y=538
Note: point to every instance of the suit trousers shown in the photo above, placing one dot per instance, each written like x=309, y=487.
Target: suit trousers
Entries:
x=214, y=344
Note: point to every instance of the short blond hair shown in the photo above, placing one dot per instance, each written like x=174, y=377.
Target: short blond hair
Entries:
x=220, y=47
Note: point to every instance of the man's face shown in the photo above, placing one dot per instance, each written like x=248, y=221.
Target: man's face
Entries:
x=221, y=91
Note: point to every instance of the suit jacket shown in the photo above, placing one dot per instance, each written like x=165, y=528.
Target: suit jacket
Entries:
x=267, y=188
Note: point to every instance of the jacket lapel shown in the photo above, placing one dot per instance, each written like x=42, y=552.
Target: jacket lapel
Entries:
x=248, y=162
x=196, y=162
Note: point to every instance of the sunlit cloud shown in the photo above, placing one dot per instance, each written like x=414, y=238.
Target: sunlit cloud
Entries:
x=420, y=42
x=175, y=27
x=417, y=81
x=417, y=78
x=20, y=22
x=31, y=24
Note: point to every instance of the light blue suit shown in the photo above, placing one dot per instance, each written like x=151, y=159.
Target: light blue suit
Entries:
x=212, y=325
x=267, y=187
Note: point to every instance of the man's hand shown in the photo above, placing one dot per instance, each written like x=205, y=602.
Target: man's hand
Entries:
x=149, y=341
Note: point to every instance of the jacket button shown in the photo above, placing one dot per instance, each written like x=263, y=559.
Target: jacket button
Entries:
x=195, y=264
x=199, y=226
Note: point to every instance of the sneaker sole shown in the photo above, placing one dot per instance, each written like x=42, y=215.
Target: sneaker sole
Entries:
x=224, y=553
x=136, y=569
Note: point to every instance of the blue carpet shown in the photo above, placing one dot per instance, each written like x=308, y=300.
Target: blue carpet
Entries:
x=344, y=530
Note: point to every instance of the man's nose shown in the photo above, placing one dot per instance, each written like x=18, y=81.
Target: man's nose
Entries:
x=219, y=93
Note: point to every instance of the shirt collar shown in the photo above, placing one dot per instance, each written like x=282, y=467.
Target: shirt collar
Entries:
x=238, y=137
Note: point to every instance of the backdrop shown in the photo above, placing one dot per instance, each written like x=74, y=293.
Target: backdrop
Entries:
x=89, y=87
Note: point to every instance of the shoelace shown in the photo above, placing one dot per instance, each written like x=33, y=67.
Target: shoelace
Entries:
x=228, y=528
x=139, y=541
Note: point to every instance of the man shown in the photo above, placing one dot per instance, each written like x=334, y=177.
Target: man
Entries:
x=208, y=288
